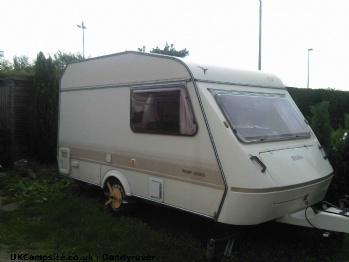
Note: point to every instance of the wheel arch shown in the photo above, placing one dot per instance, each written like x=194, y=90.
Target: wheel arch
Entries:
x=119, y=176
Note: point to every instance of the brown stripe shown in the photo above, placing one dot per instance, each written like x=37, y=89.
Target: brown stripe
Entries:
x=195, y=172
x=278, y=189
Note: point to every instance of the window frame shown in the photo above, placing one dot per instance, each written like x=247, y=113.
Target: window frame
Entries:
x=259, y=139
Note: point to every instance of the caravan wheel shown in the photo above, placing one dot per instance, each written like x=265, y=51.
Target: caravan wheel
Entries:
x=116, y=197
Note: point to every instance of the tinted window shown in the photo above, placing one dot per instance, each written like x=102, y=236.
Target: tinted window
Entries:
x=164, y=110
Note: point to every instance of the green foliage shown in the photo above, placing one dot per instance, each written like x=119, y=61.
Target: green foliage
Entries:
x=346, y=121
x=168, y=50
x=21, y=65
x=62, y=59
x=28, y=187
x=339, y=157
x=320, y=123
x=141, y=49
x=337, y=146
x=5, y=65
x=44, y=110
x=337, y=137
x=338, y=107
x=335, y=142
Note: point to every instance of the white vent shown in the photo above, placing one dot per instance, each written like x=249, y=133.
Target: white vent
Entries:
x=156, y=189
x=64, y=160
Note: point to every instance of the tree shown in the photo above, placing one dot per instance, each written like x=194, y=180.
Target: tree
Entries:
x=44, y=110
x=168, y=50
x=321, y=124
x=142, y=49
x=62, y=59
x=22, y=63
x=339, y=157
x=6, y=65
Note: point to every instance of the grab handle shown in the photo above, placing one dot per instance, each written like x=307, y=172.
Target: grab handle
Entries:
x=324, y=151
x=259, y=162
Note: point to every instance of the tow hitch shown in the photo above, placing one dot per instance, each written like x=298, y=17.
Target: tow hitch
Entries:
x=323, y=216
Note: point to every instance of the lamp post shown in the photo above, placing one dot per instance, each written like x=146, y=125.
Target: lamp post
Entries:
x=1, y=56
x=310, y=49
x=260, y=36
x=83, y=27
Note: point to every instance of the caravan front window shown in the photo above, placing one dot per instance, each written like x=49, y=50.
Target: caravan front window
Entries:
x=162, y=110
x=260, y=117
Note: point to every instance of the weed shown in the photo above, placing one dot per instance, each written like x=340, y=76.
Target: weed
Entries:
x=43, y=185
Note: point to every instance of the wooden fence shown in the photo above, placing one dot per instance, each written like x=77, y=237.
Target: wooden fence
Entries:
x=5, y=148
x=15, y=98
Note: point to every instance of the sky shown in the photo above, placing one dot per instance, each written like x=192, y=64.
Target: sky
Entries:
x=214, y=32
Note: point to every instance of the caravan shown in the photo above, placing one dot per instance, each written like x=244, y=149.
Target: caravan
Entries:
x=227, y=144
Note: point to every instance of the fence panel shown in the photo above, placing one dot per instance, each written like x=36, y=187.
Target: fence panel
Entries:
x=6, y=158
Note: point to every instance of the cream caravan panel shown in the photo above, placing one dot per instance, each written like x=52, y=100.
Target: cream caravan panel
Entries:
x=86, y=171
x=295, y=165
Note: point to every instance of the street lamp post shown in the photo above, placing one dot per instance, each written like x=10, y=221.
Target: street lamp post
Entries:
x=260, y=36
x=310, y=49
x=83, y=27
x=1, y=56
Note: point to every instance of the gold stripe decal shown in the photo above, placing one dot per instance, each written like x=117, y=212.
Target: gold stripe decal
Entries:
x=195, y=172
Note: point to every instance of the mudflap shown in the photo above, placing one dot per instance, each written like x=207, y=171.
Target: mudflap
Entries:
x=324, y=217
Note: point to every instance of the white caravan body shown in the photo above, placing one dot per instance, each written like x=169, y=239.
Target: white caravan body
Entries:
x=226, y=144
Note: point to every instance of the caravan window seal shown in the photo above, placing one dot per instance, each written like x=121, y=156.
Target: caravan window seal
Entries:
x=162, y=109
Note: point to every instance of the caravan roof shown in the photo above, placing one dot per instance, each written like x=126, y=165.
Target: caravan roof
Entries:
x=134, y=67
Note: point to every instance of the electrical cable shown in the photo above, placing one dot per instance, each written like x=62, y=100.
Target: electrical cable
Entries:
x=308, y=219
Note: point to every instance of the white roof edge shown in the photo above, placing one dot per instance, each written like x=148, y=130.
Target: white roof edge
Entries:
x=221, y=74
x=211, y=73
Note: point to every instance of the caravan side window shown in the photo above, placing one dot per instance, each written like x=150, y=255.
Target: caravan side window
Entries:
x=162, y=110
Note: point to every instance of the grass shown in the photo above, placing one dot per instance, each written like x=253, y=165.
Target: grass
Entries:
x=60, y=216
x=79, y=227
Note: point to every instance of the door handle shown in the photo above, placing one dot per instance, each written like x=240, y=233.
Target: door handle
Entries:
x=259, y=162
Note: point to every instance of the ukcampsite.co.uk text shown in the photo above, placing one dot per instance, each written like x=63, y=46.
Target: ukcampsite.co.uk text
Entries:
x=57, y=257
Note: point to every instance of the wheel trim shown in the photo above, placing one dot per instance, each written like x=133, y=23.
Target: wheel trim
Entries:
x=115, y=196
